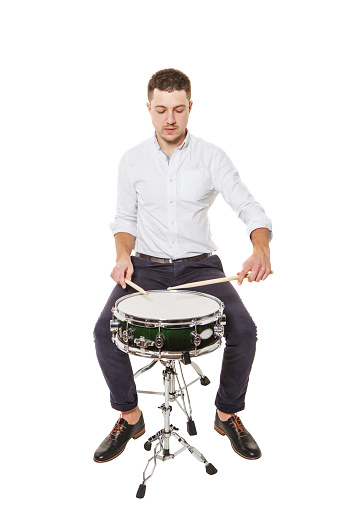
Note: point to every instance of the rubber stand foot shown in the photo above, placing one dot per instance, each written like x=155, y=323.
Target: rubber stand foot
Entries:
x=210, y=469
x=147, y=446
x=204, y=380
x=141, y=491
x=191, y=429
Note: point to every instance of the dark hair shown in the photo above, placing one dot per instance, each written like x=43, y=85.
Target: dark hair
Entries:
x=169, y=80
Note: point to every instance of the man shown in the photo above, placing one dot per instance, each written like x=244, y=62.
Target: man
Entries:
x=165, y=188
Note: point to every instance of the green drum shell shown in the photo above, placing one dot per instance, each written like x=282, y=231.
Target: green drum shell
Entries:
x=175, y=339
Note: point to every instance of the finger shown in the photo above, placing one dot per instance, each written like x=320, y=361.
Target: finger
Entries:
x=114, y=275
x=122, y=280
x=129, y=273
x=241, y=274
x=254, y=273
x=260, y=274
x=119, y=277
x=267, y=273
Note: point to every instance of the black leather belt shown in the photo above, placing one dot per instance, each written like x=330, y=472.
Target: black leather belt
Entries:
x=169, y=260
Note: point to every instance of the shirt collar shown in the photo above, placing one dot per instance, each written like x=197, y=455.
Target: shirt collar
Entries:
x=184, y=144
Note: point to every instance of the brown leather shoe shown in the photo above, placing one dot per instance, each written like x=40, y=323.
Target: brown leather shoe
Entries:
x=241, y=440
x=115, y=443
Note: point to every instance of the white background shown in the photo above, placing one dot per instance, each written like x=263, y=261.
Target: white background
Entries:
x=73, y=91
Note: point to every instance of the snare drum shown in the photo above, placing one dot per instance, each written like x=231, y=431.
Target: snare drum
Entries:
x=168, y=324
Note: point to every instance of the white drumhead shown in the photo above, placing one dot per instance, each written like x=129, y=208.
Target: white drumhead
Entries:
x=167, y=305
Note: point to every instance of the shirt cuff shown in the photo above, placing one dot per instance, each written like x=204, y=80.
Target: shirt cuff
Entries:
x=254, y=226
x=123, y=228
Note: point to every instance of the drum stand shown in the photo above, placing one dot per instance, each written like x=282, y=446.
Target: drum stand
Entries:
x=162, y=438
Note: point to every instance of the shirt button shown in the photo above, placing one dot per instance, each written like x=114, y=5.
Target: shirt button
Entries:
x=172, y=222
x=171, y=180
x=171, y=201
x=173, y=242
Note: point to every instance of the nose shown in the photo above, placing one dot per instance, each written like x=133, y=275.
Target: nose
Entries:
x=170, y=117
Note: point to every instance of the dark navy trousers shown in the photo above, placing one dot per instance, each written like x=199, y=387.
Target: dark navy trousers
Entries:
x=240, y=332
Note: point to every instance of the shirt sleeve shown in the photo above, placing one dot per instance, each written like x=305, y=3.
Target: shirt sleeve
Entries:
x=227, y=182
x=126, y=215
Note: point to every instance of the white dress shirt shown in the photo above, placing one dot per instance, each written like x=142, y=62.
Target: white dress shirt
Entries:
x=164, y=202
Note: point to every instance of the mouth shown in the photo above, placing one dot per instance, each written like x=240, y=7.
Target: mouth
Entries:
x=169, y=129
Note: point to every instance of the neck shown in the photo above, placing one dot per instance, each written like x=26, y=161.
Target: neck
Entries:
x=169, y=147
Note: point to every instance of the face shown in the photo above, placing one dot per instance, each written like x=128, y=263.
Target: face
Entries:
x=169, y=113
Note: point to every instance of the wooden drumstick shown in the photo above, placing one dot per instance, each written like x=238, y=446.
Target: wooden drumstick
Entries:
x=209, y=282
x=136, y=287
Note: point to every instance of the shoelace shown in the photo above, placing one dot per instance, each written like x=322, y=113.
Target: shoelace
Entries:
x=116, y=430
x=238, y=426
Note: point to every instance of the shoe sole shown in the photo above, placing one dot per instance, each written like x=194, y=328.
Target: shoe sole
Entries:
x=137, y=435
x=221, y=432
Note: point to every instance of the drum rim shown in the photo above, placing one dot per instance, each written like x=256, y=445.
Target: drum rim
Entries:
x=156, y=322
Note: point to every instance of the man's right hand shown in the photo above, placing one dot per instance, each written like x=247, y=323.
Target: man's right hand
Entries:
x=123, y=269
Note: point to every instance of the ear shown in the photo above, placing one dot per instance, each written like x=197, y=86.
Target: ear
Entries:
x=190, y=104
x=148, y=107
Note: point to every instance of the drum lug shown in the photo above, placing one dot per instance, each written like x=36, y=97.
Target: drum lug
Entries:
x=196, y=338
x=219, y=330
x=128, y=334
x=114, y=327
x=219, y=327
x=114, y=323
x=159, y=340
x=222, y=320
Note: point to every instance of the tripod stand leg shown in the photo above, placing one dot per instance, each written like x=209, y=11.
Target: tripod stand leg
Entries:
x=145, y=368
x=203, y=379
x=210, y=469
x=142, y=487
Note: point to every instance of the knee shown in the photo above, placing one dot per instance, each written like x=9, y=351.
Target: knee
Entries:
x=101, y=331
x=241, y=331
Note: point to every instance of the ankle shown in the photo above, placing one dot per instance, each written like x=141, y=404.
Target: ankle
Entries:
x=132, y=416
x=223, y=416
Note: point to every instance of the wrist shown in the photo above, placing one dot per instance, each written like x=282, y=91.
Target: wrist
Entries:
x=261, y=249
x=123, y=258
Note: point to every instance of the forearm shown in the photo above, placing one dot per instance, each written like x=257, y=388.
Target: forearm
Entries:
x=124, y=245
